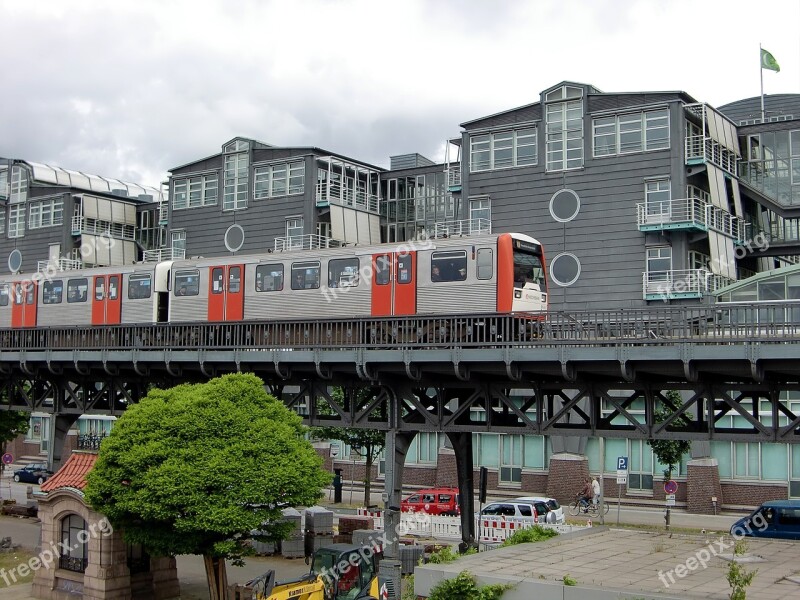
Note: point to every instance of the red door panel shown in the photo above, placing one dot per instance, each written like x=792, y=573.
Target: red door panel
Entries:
x=30, y=293
x=382, y=285
x=226, y=293
x=114, y=300
x=106, y=300
x=17, y=304
x=405, y=289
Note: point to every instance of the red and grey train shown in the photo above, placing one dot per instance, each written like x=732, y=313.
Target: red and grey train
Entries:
x=501, y=273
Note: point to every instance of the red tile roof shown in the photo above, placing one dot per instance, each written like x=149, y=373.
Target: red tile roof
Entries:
x=72, y=474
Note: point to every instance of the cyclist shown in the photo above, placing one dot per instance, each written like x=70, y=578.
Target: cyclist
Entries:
x=595, y=491
x=586, y=495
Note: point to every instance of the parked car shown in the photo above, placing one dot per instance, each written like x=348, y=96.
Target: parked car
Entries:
x=511, y=508
x=773, y=519
x=34, y=473
x=549, y=508
x=436, y=501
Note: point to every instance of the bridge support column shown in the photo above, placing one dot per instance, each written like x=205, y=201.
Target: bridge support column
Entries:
x=462, y=444
x=397, y=445
x=60, y=424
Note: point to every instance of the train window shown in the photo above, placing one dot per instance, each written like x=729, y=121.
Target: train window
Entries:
x=113, y=287
x=187, y=283
x=234, y=280
x=449, y=266
x=99, y=288
x=343, y=273
x=485, y=263
x=405, y=265
x=139, y=287
x=269, y=278
x=216, y=281
x=17, y=287
x=4, y=295
x=383, y=270
x=305, y=276
x=30, y=293
x=77, y=290
x=52, y=291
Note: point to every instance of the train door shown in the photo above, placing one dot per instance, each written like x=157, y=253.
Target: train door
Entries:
x=226, y=293
x=394, y=284
x=23, y=309
x=107, y=300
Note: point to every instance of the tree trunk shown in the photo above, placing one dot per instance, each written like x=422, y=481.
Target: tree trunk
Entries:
x=368, y=476
x=217, y=577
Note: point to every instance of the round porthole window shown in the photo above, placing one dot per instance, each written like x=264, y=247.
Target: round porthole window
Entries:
x=564, y=205
x=565, y=269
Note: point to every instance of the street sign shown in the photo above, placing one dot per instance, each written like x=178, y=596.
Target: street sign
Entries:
x=8, y=458
x=622, y=463
x=334, y=450
x=670, y=499
x=670, y=487
x=623, y=478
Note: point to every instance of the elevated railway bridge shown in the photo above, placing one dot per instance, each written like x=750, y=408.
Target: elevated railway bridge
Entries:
x=598, y=373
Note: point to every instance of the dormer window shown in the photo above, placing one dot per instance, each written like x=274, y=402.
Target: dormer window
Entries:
x=236, y=146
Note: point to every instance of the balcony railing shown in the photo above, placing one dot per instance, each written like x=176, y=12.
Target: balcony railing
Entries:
x=689, y=212
x=163, y=254
x=454, y=177
x=305, y=242
x=462, y=227
x=62, y=264
x=90, y=226
x=708, y=150
x=334, y=193
x=90, y=441
x=163, y=213
x=687, y=283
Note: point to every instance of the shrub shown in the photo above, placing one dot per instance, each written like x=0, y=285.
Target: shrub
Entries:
x=464, y=587
x=536, y=533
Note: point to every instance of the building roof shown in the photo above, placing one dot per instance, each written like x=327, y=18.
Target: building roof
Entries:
x=73, y=473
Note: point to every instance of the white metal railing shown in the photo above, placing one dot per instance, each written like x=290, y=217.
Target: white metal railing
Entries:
x=687, y=282
x=462, y=227
x=61, y=264
x=162, y=254
x=305, y=242
x=334, y=193
x=163, y=212
x=90, y=226
x=454, y=175
x=691, y=210
x=706, y=148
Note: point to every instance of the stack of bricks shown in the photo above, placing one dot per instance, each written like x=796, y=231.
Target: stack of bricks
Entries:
x=349, y=524
x=293, y=546
x=319, y=529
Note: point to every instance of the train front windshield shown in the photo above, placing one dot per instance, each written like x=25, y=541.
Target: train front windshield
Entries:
x=528, y=269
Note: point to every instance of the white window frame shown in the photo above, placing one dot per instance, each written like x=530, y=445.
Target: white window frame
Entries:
x=46, y=213
x=658, y=209
x=19, y=185
x=637, y=125
x=236, y=176
x=658, y=253
x=195, y=191
x=16, y=221
x=2, y=220
x=564, y=133
x=295, y=224
x=178, y=239
x=292, y=174
x=4, y=184
x=479, y=207
x=492, y=143
x=748, y=448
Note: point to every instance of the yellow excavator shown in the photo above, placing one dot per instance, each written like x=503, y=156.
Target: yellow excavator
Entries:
x=338, y=572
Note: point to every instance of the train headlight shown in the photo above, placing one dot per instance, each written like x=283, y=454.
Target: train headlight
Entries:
x=517, y=293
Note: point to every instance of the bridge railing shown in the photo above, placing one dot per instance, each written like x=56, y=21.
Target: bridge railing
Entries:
x=734, y=323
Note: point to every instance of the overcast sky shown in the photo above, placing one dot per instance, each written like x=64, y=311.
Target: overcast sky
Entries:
x=130, y=89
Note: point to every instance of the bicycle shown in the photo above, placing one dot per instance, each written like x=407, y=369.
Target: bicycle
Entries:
x=576, y=508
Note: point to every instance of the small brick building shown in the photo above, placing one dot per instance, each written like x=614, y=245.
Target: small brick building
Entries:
x=87, y=558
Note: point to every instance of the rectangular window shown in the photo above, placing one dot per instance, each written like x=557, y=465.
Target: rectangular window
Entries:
x=4, y=294
x=236, y=182
x=502, y=150
x=383, y=270
x=2, y=220
x=747, y=460
x=449, y=266
x=623, y=134
x=187, y=283
x=656, y=130
x=52, y=291
x=19, y=185
x=269, y=278
x=16, y=221
x=195, y=191
x=77, y=290
x=3, y=184
x=305, y=276
x=485, y=263
x=404, y=268
x=139, y=286
x=279, y=180
x=659, y=259
x=657, y=199
x=343, y=272
x=630, y=133
x=179, y=240
x=294, y=228
x=46, y=213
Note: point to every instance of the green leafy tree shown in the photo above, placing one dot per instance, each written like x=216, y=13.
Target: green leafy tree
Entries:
x=670, y=452
x=195, y=468
x=368, y=443
x=12, y=424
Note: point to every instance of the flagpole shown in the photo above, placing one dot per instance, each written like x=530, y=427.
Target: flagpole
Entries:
x=761, y=72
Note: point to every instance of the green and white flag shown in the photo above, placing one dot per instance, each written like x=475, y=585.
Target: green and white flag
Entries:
x=768, y=61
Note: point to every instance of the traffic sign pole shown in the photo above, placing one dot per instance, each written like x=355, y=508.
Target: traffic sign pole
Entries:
x=622, y=479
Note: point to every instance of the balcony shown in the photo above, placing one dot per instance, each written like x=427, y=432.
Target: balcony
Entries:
x=333, y=193
x=163, y=213
x=305, y=242
x=162, y=254
x=463, y=227
x=118, y=231
x=689, y=213
x=453, y=178
x=675, y=285
x=701, y=149
x=62, y=264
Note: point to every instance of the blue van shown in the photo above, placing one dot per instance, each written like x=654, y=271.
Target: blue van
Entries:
x=774, y=519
